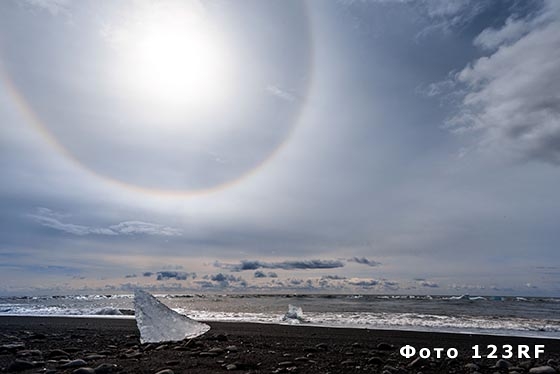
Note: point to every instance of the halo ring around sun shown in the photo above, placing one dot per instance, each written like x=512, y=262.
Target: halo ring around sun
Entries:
x=36, y=112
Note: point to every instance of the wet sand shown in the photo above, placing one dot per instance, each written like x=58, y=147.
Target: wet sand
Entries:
x=107, y=345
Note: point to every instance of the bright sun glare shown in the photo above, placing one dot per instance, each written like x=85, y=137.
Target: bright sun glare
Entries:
x=177, y=60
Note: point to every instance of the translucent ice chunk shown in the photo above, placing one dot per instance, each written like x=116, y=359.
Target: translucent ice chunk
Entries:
x=294, y=315
x=158, y=323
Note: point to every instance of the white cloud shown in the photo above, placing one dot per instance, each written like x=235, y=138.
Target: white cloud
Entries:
x=55, y=7
x=52, y=219
x=446, y=15
x=145, y=228
x=515, y=28
x=512, y=96
x=278, y=92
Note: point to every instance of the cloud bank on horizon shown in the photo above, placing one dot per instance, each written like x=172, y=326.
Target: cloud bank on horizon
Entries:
x=373, y=146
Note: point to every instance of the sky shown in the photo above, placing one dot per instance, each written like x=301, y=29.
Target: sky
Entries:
x=367, y=146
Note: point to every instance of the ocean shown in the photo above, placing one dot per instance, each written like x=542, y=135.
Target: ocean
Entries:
x=511, y=316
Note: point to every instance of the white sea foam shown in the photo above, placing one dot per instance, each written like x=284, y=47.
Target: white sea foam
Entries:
x=491, y=315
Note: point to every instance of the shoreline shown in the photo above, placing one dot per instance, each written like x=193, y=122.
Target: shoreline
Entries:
x=251, y=347
x=520, y=333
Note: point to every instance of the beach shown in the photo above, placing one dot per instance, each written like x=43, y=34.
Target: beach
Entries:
x=106, y=345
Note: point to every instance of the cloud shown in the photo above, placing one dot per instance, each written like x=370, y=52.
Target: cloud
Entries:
x=445, y=15
x=364, y=261
x=130, y=276
x=178, y=275
x=144, y=228
x=428, y=284
x=49, y=218
x=276, y=91
x=333, y=277
x=286, y=265
x=262, y=274
x=363, y=282
x=52, y=219
x=511, y=95
x=54, y=7
x=221, y=280
x=147, y=274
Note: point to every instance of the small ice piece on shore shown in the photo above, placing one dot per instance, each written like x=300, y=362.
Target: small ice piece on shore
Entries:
x=294, y=314
x=108, y=311
x=158, y=323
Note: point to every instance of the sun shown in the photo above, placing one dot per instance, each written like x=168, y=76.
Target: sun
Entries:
x=176, y=59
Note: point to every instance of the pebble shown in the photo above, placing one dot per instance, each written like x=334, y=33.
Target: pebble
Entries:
x=416, y=362
x=231, y=367
x=20, y=365
x=389, y=368
x=322, y=346
x=57, y=353
x=172, y=363
x=105, y=368
x=286, y=363
x=221, y=338
x=95, y=356
x=502, y=364
x=165, y=371
x=75, y=363
x=84, y=370
x=216, y=350
x=29, y=353
x=348, y=362
x=375, y=361
x=384, y=346
x=231, y=348
x=207, y=354
x=542, y=370
x=134, y=355
x=471, y=366
x=13, y=347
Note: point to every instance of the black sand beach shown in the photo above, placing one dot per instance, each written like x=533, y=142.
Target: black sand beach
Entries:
x=53, y=344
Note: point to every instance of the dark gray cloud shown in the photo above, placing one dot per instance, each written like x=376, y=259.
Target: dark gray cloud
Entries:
x=222, y=280
x=333, y=277
x=286, y=265
x=364, y=261
x=178, y=275
x=364, y=282
x=130, y=276
x=429, y=284
x=147, y=274
x=262, y=274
